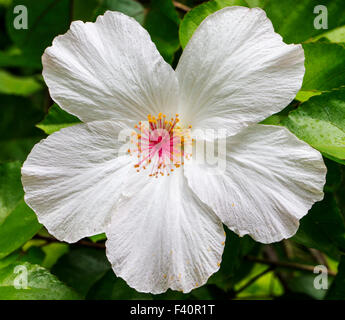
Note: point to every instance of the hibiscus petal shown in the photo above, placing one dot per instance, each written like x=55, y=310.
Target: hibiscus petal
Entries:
x=164, y=237
x=73, y=179
x=109, y=69
x=271, y=180
x=237, y=71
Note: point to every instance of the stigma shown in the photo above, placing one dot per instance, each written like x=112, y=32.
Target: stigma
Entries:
x=160, y=145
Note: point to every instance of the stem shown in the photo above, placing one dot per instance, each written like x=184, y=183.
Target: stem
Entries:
x=181, y=6
x=319, y=257
x=287, y=265
x=85, y=243
x=270, y=253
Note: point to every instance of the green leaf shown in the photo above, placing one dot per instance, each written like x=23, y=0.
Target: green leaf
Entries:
x=337, y=35
x=46, y=19
x=162, y=23
x=320, y=122
x=265, y=286
x=10, y=189
x=323, y=228
x=294, y=20
x=21, y=86
x=81, y=268
x=57, y=119
x=277, y=118
x=193, y=18
x=18, y=223
x=303, y=96
x=129, y=7
x=98, y=237
x=325, y=66
x=10, y=259
x=337, y=289
x=53, y=252
x=18, y=134
x=41, y=285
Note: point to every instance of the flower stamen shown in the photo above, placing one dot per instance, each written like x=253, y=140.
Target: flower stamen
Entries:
x=160, y=144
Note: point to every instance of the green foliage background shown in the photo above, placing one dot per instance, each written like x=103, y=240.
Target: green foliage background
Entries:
x=249, y=270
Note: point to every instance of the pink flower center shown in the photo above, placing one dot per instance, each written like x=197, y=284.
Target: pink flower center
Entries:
x=160, y=145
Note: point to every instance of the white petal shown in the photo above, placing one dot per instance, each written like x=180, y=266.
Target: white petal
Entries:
x=237, y=71
x=73, y=179
x=164, y=237
x=271, y=180
x=109, y=69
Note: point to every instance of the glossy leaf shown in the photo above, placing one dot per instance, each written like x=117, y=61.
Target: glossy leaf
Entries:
x=294, y=20
x=57, y=119
x=53, y=252
x=336, y=35
x=18, y=223
x=325, y=65
x=81, y=268
x=41, y=285
x=320, y=122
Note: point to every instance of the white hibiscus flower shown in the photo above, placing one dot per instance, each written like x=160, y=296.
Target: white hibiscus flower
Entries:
x=168, y=232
